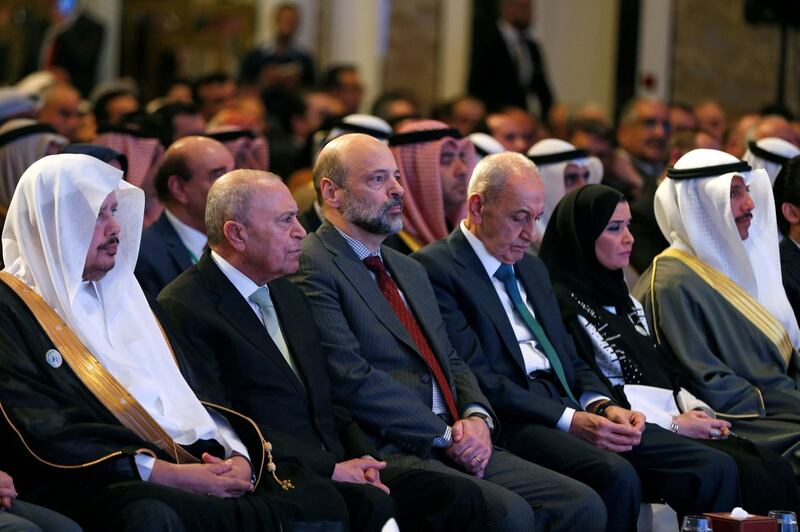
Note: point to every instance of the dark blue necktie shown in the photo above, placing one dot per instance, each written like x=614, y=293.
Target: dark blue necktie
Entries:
x=505, y=273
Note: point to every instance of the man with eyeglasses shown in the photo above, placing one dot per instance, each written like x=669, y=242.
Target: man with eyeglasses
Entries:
x=642, y=133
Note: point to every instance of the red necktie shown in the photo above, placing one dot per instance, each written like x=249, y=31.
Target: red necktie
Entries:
x=389, y=289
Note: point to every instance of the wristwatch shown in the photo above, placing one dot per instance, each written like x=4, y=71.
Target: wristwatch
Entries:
x=602, y=407
x=485, y=418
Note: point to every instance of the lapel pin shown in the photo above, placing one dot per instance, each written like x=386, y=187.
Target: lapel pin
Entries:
x=54, y=358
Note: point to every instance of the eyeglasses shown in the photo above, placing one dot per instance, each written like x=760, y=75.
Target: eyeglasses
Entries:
x=652, y=123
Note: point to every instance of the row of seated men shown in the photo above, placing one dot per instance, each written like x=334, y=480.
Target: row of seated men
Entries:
x=345, y=384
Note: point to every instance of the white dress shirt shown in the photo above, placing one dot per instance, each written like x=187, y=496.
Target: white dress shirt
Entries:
x=193, y=240
x=534, y=359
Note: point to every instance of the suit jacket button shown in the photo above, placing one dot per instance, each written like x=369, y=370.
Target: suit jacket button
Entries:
x=425, y=378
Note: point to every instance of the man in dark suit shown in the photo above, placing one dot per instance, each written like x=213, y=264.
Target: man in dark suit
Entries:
x=389, y=357
x=503, y=319
x=506, y=66
x=177, y=239
x=256, y=349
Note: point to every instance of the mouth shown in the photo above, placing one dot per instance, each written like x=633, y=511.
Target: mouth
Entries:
x=744, y=220
x=110, y=249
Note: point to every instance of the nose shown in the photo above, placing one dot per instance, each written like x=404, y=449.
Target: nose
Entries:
x=460, y=167
x=627, y=237
x=519, y=144
x=748, y=204
x=298, y=231
x=113, y=227
x=395, y=188
x=529, y=230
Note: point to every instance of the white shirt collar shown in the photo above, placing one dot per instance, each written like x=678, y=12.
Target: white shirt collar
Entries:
x=194, y=240
x=489, y=261
x=243, y=283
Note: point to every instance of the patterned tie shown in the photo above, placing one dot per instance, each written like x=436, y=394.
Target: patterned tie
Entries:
x=392, y=294
x=262, y=298
x=505, y=273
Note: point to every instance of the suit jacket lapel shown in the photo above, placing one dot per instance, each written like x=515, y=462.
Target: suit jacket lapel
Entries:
x=481, y=285
x=175, y=248
x=238, y=313
x=359, y=277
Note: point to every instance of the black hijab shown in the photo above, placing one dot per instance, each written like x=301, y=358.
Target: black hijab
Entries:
x=569, y=241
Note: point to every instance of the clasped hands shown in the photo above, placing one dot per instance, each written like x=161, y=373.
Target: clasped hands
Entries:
x=619, y=431
x=471, y=445
x=213, y=477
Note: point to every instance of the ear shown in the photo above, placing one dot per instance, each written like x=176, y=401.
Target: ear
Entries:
x=331, y=193
x=475, y=208
x=790, y=212
x=236, y=235
x=177, y=192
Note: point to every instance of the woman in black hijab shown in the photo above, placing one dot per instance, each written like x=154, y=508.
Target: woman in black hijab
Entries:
x=585, y=247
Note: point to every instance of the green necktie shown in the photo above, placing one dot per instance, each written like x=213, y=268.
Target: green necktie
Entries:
x=505, y=273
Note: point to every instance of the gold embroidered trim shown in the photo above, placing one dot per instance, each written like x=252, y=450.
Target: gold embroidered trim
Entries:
x=740, y=299
x=266, y=450
x=100, y=382
x=409, y=241
x=47, y=462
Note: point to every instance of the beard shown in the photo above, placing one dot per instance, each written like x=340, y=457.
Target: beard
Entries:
x=375, y=220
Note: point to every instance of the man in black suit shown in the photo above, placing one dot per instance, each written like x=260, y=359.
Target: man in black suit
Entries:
x=257, y=349
x=177, y=239
x=787, y=205
x=388, y=353
x=503, y=319
x=506, y=66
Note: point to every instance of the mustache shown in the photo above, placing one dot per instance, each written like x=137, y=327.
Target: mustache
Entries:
x=394, y=202
x=110, y=242
x=746, y=216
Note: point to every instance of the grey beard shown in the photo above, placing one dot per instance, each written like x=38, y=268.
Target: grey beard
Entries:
x=380, y=224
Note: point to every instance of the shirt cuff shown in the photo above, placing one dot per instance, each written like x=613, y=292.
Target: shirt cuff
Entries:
x=565, y=420
x=444, y=440
x=475, y=408
x=231, y=442
x=144, y=464
x=591, y=397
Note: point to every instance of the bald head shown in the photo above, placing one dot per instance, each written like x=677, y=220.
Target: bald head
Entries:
x=60, y=105
x=342, y=155
x=229, y=199
x=494, y=172
x=189, y=168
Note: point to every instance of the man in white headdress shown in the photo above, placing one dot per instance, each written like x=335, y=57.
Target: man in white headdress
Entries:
x=715, y=298
x=770, y=153
x=563, y=168
x=90, y=384
x=22, y=142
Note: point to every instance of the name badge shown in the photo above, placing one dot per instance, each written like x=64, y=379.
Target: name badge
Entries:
x=54, y=358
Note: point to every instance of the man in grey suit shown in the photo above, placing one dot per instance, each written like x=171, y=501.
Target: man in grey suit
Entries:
x=389, y=357
x=177, y=239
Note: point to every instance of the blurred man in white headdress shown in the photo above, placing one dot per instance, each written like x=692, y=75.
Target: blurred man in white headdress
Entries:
x=770, y=153
x=562, y=168
x=82, y=349
x=715, y=297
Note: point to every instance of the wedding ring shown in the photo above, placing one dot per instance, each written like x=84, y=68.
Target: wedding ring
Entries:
x=477, y=458
x=713, y=433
